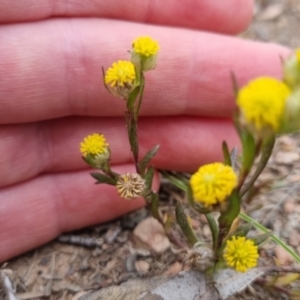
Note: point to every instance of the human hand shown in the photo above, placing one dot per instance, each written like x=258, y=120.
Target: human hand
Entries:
x=51, y=96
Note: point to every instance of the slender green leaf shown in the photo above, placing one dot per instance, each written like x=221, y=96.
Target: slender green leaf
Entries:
x=227, y=217
x=234, y=84
x=142, y=88
x=132, y=97
x=214, y=229
x=182, y=220
x=147, y=158
x=275, y=239
x=259, y=239
x=149, y=178
x=226, y=154
x=180, y=183
x=266, y=151
x=101, y=178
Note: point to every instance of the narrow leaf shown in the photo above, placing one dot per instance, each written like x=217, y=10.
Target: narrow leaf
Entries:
x=267, y=148
x=214, y=229
x=226, y=154
x=226, y=218
x=182, y=220
x=149, y=178
x=101, y=178
x=259, y=239
x=147, y=158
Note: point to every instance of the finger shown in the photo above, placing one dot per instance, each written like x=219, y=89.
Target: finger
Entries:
x=53, y=146
x=37, y=211
x=57, y=71
x=205, y=14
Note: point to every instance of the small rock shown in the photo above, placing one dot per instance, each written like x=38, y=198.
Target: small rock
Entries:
x=130, y=220
x=142, y=252
x=142, y=266
x=123, y=237
x=294, y=238
x=77, y=296
x=112, y=233
x=206, y=231
x=271, y=12
x=287, y=158
x=152, y=233
x=130, y=262
x=195, y=223
x=282, y=256
x=294, y=178
x=289, y=206
x=174, y=269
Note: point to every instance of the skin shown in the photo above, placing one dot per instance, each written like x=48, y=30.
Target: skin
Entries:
x=52, y=96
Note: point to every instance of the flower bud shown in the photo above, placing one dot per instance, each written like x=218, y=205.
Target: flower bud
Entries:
x=120, y=78
x=144, y=53
x=95, y=150
x=291, y=117
x=291, y=69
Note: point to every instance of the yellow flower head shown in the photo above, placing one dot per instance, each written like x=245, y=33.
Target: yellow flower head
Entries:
x=94, y=144
x=146, y=46
x=298, y=55
x=120, y=78
x=130, y=186
x=213, y=183
x=144, y=53
x=262, y=103
x=240, y=253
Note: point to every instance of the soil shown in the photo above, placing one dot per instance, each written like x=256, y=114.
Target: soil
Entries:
x=108, y=254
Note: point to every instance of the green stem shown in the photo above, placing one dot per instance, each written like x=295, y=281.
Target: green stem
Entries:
x=266, y=152
x=133, y=137
x=276, y=239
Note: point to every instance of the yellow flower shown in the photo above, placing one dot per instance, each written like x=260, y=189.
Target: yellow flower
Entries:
x=262, y=104
x=144, y=53
x=130, y=186
x=213, y=183
x=146, y=46
x=241, y=253
x=93, y=144
x=120, y=78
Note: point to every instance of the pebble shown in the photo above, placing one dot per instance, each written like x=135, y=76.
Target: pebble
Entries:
x=130, y=220
x=152, y=233
x=142, y=252
x=289, y=206
x=294, y=238
x=174, y=269
x=130, y=262
x=206, y=231
x=142, y=266
x=112, y=233
x=287, y=158
x=271, y=12
x=282, y=256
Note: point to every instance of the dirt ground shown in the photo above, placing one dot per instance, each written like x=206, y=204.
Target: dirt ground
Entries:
x=112, y=254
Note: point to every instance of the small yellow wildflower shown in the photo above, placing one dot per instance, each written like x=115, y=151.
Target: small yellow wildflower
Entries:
x=130, y=186
x=144, y=53
x=262, y=103
x=241, y=253
x=213, y=183
x=120, y=78
x=146, y=46
x=93, y=144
